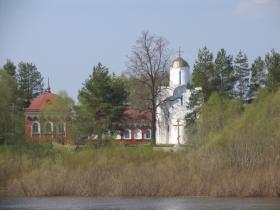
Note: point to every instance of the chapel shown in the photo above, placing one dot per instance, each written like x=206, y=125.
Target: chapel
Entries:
x=171, y=114
x=48, y=129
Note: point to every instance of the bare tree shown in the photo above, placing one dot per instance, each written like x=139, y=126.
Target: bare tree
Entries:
x=148, y=65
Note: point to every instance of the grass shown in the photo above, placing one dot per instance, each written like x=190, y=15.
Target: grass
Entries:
x=119, y=171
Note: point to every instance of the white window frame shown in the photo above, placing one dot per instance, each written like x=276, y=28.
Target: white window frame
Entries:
x=129, y=133
x=150, y=131
x=38, y=124
x=118, y=135
x=135, y=134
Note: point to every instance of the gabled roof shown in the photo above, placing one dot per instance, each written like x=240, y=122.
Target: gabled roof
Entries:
x=134, y=118
x=136, y=114
x=40, y=102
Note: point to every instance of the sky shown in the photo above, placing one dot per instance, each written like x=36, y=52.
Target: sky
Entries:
x=66, y=38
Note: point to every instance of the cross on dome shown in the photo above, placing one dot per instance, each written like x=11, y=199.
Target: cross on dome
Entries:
x=179, y=52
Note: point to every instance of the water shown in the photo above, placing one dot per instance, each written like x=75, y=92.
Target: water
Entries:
x=188, y=203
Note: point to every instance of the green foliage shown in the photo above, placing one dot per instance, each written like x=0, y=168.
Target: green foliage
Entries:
x=272, y=61
x=203, y=72
x=259, y=123
x=30, y=82
x=60, y=107
x=10, y=68
x=224, y=73
x=11, y=121
x=216, y=113
x=258, y=77
x=102, y=98
x=242, y=73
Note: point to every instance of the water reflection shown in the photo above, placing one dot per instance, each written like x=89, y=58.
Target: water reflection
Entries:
x=189, y=203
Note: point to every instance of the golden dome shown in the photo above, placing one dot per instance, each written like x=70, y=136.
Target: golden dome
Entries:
x=179, y=62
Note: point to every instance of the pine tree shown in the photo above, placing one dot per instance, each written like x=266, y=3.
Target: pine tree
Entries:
x=203, y=72
x=224, y=73
x=10, y=68
x=272, y=62
x=258, y=76
x=30, y=83
x=102, y=99
x=242, y=74
x=11, y=120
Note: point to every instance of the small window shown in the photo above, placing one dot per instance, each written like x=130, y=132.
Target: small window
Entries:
x=118, y=135
x=61, y=128
x=138, y=134
x=49, y=127
x=148, y=134
x=35, y=127
x=180, y=79
x=127, y=134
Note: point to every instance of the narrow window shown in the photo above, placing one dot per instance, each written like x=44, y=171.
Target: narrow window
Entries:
x=148, y=134
x=137, y=134
x=35, y=127
x=61, y=128
x=127, y=134
x=49, y=127
x=180, y=77
x=118, y=135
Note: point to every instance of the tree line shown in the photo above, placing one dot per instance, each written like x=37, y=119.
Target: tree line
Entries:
x=234, y=77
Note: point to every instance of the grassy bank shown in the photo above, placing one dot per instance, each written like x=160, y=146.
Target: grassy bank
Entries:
x=235, y=152
x=50, y=171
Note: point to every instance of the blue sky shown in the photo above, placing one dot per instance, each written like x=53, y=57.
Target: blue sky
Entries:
x=65, y=39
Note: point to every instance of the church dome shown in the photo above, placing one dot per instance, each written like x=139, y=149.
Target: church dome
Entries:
x=179, y=62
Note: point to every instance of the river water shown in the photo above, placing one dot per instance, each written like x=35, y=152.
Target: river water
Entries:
x=188, y=203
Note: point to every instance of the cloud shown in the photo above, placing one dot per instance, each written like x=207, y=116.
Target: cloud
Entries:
x=259, y=7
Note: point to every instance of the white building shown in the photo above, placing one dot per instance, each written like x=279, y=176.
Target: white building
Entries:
x=173, y=108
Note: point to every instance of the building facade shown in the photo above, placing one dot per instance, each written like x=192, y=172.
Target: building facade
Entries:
x=171, y=114
x=133, y=127
x=47, y=129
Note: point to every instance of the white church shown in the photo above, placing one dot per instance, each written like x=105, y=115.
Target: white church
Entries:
x=171, y=114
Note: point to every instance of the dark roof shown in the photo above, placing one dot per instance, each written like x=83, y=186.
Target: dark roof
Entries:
x=134, y=118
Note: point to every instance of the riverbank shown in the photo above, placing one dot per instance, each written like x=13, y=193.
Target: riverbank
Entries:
x=46, y=170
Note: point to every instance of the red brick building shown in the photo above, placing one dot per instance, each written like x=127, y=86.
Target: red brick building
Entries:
x=46, y=129
x=134, y=127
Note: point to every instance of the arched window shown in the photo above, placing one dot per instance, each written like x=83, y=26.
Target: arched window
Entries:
x=61, y=127
x=49, y=127
x=148, y=134
x=127, y=134
x=35, y=127
x=137, y=134
x=118, y=135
